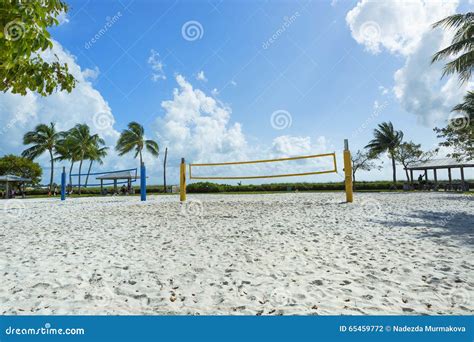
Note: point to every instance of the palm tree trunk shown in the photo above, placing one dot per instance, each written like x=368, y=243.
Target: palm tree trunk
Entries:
x=141, y=159
x=394, y=170
x=80, y=168
x=52, y=171
x=164, y=170
x=88, y=173
x=70, y=172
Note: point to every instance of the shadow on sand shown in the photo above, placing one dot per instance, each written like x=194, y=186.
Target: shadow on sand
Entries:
x=456, y=225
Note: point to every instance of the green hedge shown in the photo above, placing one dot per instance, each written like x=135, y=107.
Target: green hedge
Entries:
x=207, y=187
x=96, y=190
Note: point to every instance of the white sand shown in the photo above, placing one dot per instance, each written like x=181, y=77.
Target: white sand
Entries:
x=301, y=253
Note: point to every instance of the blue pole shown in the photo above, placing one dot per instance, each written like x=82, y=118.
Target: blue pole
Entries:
x=63, y=184
x=143, y=182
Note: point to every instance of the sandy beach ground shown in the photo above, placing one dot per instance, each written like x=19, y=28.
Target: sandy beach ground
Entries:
x=268, y=254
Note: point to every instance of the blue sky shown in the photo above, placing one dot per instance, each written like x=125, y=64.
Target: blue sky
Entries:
x=297, y=73
x=335, y=68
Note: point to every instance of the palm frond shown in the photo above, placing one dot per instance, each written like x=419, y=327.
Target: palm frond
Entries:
x=462, y=43
x=462, y=65
x=455, y=20
x=152, y=147
x=33, y=152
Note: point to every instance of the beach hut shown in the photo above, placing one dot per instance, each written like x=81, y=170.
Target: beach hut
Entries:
x=13, y=179
x=123, y=176
x=441, y=164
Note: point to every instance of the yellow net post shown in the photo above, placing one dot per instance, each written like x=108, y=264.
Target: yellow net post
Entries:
x=348, y=172
x=182, y=181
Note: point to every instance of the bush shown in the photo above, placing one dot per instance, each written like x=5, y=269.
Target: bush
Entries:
x=204, y=187
x=207, y=187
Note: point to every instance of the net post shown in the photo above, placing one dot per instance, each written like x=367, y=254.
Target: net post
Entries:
x=182, y=181
x=63, y=184
x=348, y=172
x=142, y=182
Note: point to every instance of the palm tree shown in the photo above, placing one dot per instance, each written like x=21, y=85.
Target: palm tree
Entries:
x=461, y=46
x=459, y=133
x=43, y=138
x=133, y=138
x=65, y=151
x=386, y=139
x=80, y=137
x=95, y=154
x=466, y=107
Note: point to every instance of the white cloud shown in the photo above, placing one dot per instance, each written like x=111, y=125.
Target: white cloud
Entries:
x=62, y=18
x=22, y=113
x=383, y=90
x=397, y=26
x=405, y=28
x=198, y=126
x=157, y=66
x=418, y=84
x=91, y=74
x=291, y=146
x=215, y=92
x=201, y=77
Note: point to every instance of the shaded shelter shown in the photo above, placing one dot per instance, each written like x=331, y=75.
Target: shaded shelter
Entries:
x=441, y=164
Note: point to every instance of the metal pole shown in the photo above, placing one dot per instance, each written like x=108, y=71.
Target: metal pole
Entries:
x=63, y=184
x=164, y=170
x=143, y=182
x=182, y=181
x=348, y=172
x=450, y=179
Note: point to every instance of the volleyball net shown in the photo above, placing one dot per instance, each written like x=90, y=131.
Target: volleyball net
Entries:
x=332, y=168
x=106, y=178
x=331, y=156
